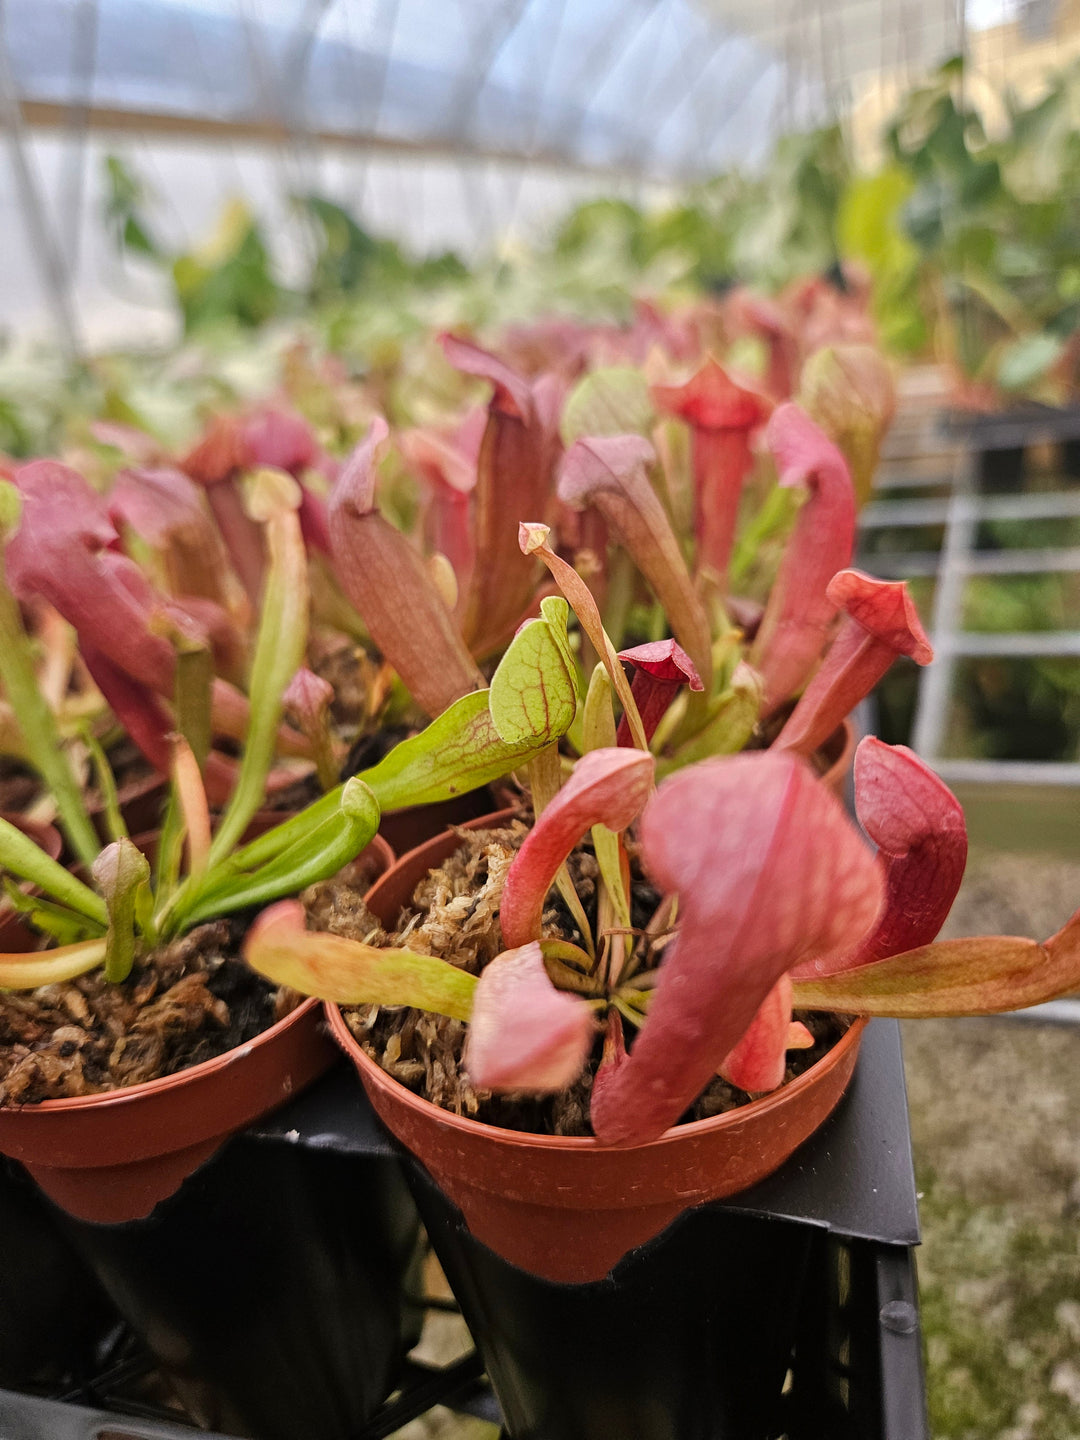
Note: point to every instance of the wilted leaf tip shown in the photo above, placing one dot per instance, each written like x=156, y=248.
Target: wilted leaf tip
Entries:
x=532, y=536
x=355, y=487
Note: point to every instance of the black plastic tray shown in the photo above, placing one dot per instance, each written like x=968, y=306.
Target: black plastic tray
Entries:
x=856, y=1369
x=857, y=1373
x=1020, y=425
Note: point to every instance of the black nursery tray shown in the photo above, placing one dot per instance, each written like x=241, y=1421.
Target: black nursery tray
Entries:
x=857, y=1373
x=861, y=1378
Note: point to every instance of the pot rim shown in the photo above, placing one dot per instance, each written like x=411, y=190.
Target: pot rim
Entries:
x=586, y=1144
x=38, y=831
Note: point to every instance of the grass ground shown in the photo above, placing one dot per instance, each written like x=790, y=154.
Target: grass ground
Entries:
x=995, y=1115
x=994, y=1108
x=995, y=1118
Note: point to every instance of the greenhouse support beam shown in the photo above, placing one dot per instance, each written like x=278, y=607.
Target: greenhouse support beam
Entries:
x=164, y=124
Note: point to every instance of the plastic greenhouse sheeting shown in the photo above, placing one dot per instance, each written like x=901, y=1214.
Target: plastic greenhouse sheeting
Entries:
x=665, y=87
x=443, y=123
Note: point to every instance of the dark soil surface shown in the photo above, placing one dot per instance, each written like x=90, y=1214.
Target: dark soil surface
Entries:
x=187, y=1002
x=184, y=1003
x=297, y=796
x=344, y=665
x=454, y=915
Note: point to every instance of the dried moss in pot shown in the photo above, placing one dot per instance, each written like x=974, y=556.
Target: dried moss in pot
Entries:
x=454, y=915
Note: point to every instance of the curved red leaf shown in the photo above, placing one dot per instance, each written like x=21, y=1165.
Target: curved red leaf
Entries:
x=661, y=667
x=609, y=472
x=280, y=439
x=759, y=1060
x=880, y=623
x=523, y=1033
x=768, y=868
x=799, y=614
x=918, y=825
x=385, y=577
x=608, y=787
x=515, y=471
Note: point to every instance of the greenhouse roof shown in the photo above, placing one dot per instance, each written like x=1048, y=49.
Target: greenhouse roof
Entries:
x=660, y=87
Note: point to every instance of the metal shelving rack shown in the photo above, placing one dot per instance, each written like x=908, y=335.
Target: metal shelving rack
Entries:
x=922, y=456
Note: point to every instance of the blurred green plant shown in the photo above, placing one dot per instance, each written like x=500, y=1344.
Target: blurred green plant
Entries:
x=349, y=259
x=971, y=237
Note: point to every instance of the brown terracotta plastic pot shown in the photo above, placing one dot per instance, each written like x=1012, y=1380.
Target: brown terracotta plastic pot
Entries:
x=568, y=1209
x=46, y=836
x=405, y=829
x=113, y=1157
x=16, y=937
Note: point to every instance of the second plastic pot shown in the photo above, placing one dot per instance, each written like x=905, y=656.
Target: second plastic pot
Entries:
x=113, y=1156
x=688, y=1338
x=568, y=1209
x=605, y=1293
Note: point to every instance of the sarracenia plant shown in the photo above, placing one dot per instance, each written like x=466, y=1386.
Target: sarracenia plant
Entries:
x=530, y=703
x=771, y=898
x=135, y=640
x=745, y=658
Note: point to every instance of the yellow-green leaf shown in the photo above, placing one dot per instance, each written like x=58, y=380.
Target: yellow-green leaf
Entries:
x=347, y=972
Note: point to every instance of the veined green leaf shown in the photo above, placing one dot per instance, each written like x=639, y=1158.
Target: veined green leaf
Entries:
x=459, y=751
x=533, y=688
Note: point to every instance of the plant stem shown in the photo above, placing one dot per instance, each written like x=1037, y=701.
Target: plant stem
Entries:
x=279, y=650
x=38, y=726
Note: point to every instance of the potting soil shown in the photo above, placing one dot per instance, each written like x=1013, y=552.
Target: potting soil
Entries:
x=454, y=914
x=186, y=1002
